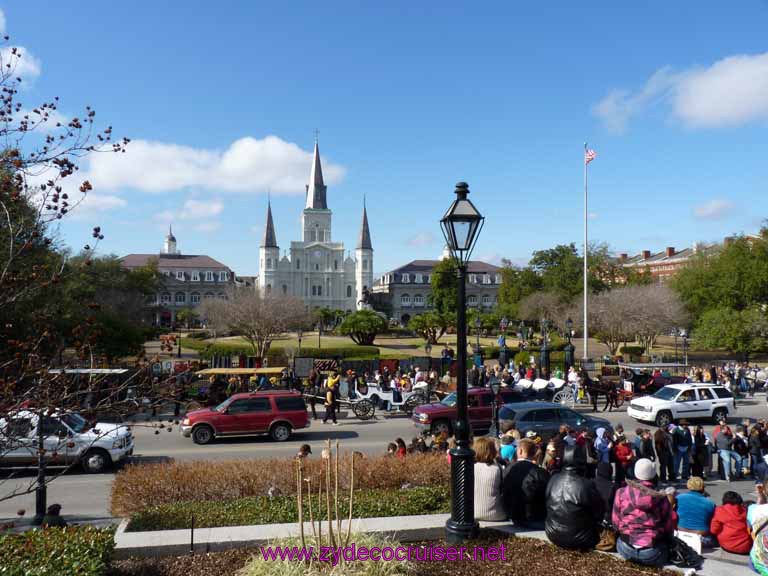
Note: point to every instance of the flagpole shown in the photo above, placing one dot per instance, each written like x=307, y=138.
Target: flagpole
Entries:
x=586, y=250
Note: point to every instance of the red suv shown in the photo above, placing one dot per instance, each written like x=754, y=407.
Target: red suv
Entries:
x=441, y=416
x=274, y=412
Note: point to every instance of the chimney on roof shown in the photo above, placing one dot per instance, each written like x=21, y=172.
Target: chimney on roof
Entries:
x=670, y=251
x=646, y=254
x=623, y=257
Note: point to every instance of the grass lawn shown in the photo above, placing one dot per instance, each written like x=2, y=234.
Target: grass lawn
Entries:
x=397, y=347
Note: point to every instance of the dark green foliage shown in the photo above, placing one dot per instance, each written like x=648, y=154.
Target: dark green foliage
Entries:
x=276, y=356
x=363, y=326
x=72, y=551
x=632, y=350
x=283, y=509
x=443, y=295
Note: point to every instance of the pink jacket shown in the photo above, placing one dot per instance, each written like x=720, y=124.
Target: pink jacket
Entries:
x=643, y=515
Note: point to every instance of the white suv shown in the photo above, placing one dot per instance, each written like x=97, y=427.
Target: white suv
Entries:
x=67, y=440
x=676, y=401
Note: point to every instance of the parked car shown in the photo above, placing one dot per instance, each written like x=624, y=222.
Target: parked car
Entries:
x=438, y=417
x=68, y=439
x=688, y=401
x=545, y=418
x=274, y=412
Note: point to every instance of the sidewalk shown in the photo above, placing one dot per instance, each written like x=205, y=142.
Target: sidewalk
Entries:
x=401, y=528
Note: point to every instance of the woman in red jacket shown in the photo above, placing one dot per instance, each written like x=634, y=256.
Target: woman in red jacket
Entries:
x=729, y=525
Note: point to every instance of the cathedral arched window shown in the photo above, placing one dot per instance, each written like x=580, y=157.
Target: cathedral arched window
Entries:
x=335, y=264
x=285, y=289
x=349, y=291
x=298, y=263
x=269, y=288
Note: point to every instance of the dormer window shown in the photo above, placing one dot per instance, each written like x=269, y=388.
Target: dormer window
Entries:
x=209, y=276
x=195, y=276
x=406, y=278
x=180, y=276
x=223, y=276
x=419, y=279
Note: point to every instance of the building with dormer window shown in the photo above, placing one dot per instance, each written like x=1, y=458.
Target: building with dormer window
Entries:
x=187, y=279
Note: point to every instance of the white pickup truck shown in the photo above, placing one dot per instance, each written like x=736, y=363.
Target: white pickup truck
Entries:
x=67, y=440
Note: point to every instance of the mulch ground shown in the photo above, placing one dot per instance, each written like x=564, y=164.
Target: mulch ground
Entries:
x=524, y=557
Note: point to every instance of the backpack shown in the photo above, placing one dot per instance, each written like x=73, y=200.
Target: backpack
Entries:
x=683, y=556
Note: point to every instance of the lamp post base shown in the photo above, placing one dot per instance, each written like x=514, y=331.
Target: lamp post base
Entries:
x=462, y=525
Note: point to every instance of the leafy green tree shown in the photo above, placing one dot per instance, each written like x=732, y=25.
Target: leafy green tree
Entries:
x=363, y=326
x=431, y=325
x=735, y=276
x=741, y=332
x=562, y=270
x=516, y=285
x=187, y=317
x=444, y=287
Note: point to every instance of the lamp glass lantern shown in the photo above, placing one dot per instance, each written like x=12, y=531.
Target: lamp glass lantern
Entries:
x=569, y=326
x=461, y=225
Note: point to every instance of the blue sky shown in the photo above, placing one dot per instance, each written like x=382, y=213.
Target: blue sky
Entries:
x=221, y=100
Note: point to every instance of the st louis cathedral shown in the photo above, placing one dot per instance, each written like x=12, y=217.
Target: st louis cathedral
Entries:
x=317, y=269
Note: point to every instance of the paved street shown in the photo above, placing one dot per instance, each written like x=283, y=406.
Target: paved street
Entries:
x=88, y=495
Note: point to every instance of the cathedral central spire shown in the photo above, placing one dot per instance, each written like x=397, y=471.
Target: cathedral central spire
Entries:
x=270, y=239
x=316, y=188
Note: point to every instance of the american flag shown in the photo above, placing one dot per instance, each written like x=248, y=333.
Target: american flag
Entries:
x=589, y=155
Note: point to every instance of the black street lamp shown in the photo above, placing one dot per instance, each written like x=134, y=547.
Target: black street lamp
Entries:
x=299, y=335
x=544, y=356
x=495, y=387
x=569, y=349
x=684, y=335
x=461, y=226
x=478, y=326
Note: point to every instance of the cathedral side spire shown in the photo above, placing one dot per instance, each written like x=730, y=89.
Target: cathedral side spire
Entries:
x=316, y=188
x=270, y=238
x=364, y=241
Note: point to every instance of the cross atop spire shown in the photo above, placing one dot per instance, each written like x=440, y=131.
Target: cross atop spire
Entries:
x=270, y=239
x=316, y=188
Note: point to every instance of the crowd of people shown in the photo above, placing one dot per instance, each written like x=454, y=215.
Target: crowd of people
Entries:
x=739, y=378
x=604, y=491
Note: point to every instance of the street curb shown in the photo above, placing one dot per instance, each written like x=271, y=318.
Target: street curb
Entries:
x=401, y=528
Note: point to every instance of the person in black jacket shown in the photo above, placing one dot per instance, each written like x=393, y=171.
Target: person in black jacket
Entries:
x=606, y=487
x=575, y=509
x=524, y=488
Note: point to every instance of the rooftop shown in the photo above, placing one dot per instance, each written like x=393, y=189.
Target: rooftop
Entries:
x=171, y=261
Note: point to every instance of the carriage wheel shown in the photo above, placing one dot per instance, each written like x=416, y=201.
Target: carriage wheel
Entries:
x=364, y=409
x=564, y=397
x=619, y=400
x=413, y=401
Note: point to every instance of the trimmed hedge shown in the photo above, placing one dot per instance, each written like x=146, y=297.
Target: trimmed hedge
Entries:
x=76, y=551
x=139, y=487
x=632, y=350
x=277, y=356
x=284, y=509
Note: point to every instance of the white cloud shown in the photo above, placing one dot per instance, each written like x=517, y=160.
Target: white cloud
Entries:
x=713, y=210
x=592, y=215
x=247, y=165
x=2, y=21
x=201, y=214
x=421, y=239
x=209, y=226
x=730, y=92
x=93, y=204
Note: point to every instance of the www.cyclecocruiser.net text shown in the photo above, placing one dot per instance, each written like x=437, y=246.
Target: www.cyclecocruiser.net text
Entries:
x=353, y=553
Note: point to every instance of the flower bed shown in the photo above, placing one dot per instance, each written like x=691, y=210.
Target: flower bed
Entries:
x=76, y=551
x=284, y=509
x=525, y=556
x=137, y=488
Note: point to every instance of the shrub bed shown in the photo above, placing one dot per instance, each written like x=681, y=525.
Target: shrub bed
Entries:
x=76, y=551
x=276, y=356
x=282, y=509
x=137, y=488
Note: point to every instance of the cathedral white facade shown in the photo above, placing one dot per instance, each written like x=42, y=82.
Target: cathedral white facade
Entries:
x=316, y=268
